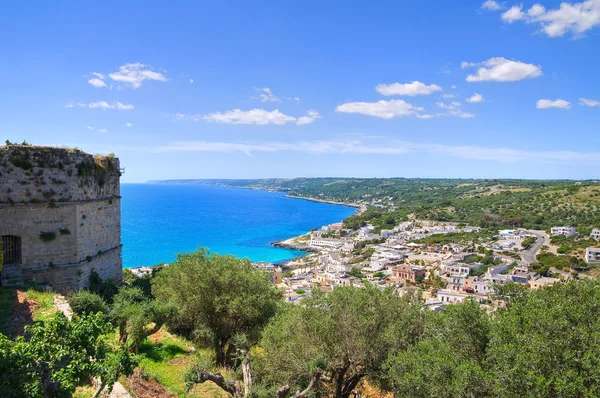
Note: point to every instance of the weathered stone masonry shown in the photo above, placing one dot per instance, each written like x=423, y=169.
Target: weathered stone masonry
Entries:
x=60, y=216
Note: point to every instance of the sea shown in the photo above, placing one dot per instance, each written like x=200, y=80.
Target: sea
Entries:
x=160, y=220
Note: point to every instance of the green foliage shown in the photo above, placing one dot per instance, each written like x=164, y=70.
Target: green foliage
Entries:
x=527, y=242
x=132, y=311
x=348, y=333
x=547, y=260
x=86, y=303
x=457, y=237
x=448, y=361
x=47, y=236
x=58, y=356
x=143, y=282
x=64, y=231
x=217, y=297
x=548, y=343
x=545, y=343
x=103, y=288
x=356, y=272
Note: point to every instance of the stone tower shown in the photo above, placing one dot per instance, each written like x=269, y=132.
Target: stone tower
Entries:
x=60, y=216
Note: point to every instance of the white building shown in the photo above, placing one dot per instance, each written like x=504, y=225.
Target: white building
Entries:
x=566, y=231
x=326, y=243
x=451, y=296
x=595, y=233
x=482, y=287
x=386, y=233
x=512, y=234
x=592, y=255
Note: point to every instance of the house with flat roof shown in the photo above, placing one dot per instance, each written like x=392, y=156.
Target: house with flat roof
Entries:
x=566, y=231
x=592, y=255
x=595, y=233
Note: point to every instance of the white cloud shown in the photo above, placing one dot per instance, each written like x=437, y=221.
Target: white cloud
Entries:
x=97, y=130
x=381, y=109
x=106, y=105
x=500, y=69
x=297, y=99
x=453, y=86
x=133, y=75
x=475, y=98
x=448, y=96
x=515, y=13
x=558, y=103
x=266, y=95
x=464, y=65
x=453, y=109
x=576, y=18
x=588, y=102
x=387, y=147
x=69, y=105
x=311, y=116
x=254, y=116
x=536, y=10
x=96, y=82
x=128, y=124
x=191, y=81
x=409, y=89
x=491, y=5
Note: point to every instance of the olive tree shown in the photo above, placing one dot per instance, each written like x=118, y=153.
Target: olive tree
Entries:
x=348, y=333
x=217, y=297
x=137, y=316
x=59, y=355
x=449, y=361
x=547, y=343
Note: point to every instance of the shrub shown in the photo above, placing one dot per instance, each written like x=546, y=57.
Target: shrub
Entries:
x=47, y=236
x=85, y=303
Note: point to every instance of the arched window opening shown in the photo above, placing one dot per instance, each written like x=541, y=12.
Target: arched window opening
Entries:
x=11, y=249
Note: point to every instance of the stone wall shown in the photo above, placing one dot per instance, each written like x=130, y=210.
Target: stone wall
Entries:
x=30, y=174
x=72, y=277
x=65, y=206
x=30, y=221
x=98, y=226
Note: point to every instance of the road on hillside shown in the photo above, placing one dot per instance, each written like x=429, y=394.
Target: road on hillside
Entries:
x=529, y=255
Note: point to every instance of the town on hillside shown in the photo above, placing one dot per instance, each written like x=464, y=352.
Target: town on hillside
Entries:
x=442, y=262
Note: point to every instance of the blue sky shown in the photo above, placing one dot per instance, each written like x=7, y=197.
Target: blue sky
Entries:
x=223, y=89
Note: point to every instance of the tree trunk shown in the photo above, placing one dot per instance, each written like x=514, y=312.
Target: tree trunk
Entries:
x=314, y=381
x=339, y=380
x=350, y=385
x=231, y=387
x=99, y=390
x=247, y=376
x=220, y=353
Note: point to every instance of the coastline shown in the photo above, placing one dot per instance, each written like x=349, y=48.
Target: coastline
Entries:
x=289, y=243
x=359, y=208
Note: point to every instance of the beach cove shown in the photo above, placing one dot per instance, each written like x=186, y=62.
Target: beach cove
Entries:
x=160, y=220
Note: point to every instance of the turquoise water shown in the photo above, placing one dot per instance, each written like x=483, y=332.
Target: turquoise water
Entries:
x=159, y=221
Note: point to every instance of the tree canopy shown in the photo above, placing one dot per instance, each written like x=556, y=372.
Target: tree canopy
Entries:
x=217, y=297
x=348, y=334
x=60, y=355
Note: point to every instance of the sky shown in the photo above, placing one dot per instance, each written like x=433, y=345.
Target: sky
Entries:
x=257, y=89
